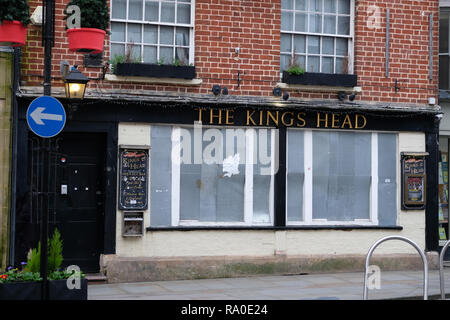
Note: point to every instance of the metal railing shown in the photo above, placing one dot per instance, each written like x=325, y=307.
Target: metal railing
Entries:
x=424, y=260
x=441, y=268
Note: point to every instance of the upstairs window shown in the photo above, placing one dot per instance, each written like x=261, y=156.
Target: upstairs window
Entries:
x=154, y=31
x=317, y=35
x=444, y=52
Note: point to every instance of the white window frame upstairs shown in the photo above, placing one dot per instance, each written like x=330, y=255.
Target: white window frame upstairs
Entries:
x=144, y=23
x=350, y=38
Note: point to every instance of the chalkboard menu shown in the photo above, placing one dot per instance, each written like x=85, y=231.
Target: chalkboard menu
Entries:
x=414, y=166
x=414, y=182
x=133, y=176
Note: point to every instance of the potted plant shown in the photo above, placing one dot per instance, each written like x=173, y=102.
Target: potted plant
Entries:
x=94, y=21
x=14, y=19
x=26, y=284
x=297, y=75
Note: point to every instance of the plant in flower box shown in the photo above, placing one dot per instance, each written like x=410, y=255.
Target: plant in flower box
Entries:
x=26, y=283
x=14, y=19
x=87, y=23
x=294, y=74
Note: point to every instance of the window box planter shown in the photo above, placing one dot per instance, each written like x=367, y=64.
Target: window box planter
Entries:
x=58, y=290
x=321, y=79
x=20, y=291
x=86, y=40
x=12, y=33
x=154, y=70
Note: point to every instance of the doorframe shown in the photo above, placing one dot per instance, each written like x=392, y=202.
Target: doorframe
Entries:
x=110, y=129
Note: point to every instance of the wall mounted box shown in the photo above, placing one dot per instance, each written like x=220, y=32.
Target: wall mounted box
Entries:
x=133, y=224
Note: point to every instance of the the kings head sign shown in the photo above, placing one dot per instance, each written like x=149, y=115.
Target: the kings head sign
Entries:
x=277, y=118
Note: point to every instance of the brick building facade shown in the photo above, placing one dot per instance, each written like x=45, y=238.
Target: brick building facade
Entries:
x=336, y=164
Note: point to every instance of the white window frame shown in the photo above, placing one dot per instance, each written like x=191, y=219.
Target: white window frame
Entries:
x=350, y=38
x=143, y=23
x=248, y=186
x=307, y=209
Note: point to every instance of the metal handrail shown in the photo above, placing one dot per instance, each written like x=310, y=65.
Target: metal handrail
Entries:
x=424, y=260
x=441, y=268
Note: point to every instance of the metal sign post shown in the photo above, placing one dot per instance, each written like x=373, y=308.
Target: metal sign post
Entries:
x=37, y=116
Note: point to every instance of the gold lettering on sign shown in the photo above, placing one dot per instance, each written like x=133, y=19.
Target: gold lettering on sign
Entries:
x=212, y=116
x=200, y=114
x=299, y=118
x=229, y=118
x=249, y=118
x=274, y=119
x=319, y=120
x=347, y=121
x=291, y=121
x=357, y=121
x=334, y=120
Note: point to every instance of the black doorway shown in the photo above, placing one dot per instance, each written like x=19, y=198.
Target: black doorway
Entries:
x=80, y=198
x=76, y=201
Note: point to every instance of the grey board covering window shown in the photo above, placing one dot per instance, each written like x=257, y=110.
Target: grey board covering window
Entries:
x=295, y=175
x=185, y=191
x=341, y=175
x=337, y=177
x=205, y=193
x=387, y=178
x=332, y=177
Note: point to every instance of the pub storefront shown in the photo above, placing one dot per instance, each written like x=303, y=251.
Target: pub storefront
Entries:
x=169, y=189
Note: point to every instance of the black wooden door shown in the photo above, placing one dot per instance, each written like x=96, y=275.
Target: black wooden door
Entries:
x=79, y=198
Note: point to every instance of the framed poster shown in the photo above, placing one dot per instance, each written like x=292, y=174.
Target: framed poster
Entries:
x=414, y=184
x=133, y=179
x=415, y=189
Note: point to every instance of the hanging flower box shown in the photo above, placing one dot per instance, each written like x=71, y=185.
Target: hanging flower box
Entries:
x=154, y=70
x=321, y=79
x=12, y=33
x=86, y=32
x=86, y=40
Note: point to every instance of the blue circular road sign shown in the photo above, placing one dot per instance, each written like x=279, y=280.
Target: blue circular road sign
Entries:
x=46, y=116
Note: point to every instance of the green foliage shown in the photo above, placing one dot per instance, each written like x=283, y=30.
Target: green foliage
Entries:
x=62, y=275
x=94, y=13
x=55, y=257
x=31, y=270
x=15, y=10
x=14, y=275
x=295, y=70
x=34, y=260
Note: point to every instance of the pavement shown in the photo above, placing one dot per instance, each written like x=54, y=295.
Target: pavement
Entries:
x=336, y=286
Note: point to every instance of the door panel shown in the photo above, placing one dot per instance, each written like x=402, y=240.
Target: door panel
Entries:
x=79, y=198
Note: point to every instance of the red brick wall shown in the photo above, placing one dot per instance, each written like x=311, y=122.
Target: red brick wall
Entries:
x=254, y=27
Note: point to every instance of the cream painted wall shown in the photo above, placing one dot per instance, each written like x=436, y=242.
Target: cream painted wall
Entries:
x=267, y=243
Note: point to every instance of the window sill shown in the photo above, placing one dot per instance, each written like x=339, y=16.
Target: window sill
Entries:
x=341, y=82
x=315, y=88
x=272, y=228
x=155, y=80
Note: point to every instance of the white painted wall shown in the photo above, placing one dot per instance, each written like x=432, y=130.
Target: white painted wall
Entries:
x=267, y=243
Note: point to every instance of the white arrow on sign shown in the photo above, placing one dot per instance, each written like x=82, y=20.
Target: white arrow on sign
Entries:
x=37, y=115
